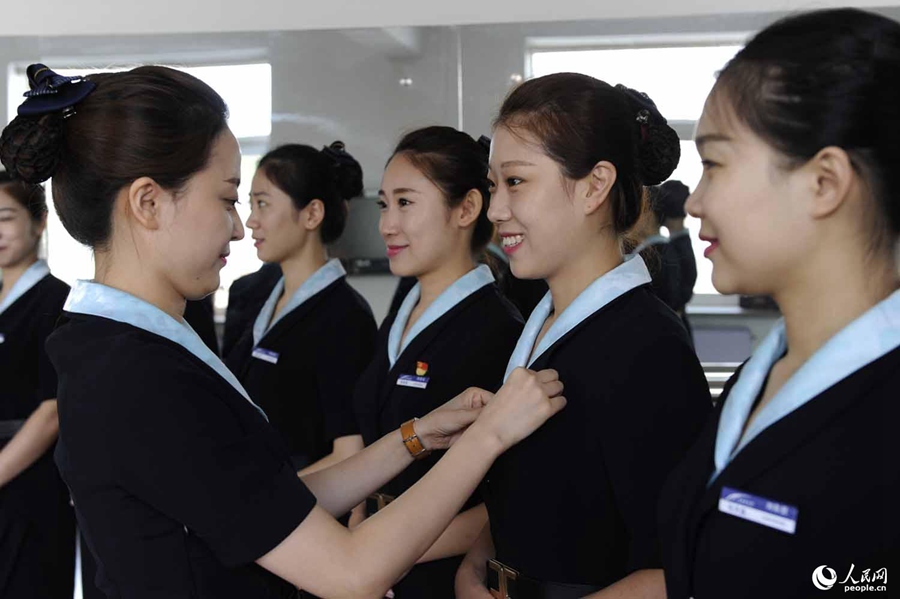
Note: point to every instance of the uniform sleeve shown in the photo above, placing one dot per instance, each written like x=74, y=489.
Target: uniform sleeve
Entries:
x=653, y=415
x=48, y=383
x=187, y=453
x=345, y=354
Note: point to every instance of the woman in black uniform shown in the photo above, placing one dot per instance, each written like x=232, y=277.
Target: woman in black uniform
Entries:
x=453, y=329
x=180, y=485
x=314, y=334
x=791, y=488
x=37, y=525
x=572, y=509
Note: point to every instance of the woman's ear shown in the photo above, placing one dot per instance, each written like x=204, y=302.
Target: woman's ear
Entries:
x=143, y=202
x=597, y=185
x=831, y=176
x=313, y=214
x=470, y=208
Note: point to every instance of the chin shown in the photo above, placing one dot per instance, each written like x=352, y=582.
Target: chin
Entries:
x=727, y=284
x=528, y=272
x=399, y=269
x=202, y=288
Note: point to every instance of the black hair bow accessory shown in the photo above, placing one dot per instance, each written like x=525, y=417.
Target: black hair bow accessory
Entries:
x=659, y=149
x=51, y=92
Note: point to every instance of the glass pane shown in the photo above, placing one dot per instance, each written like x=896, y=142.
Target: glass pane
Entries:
x=689, y=172
x=678, y=79
x=242, y=259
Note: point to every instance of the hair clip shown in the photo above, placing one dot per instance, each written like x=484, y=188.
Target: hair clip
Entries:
x=485, y=142
x=51, y=92
x=335, y=151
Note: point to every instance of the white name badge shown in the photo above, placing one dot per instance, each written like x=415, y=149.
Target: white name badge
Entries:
x=416, y=382
x=266, y=355
x=758, y=510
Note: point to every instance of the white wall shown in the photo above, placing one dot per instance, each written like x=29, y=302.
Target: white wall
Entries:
x=81, y=17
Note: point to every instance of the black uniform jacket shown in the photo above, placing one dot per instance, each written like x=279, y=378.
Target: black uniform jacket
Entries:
x=575, y=503
x=179, y=482
x=834, y=459
x=468, y=346
x=322, y=346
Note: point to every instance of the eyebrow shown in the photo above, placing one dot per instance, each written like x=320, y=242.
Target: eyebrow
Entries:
x=399, y=190
x=711, y=138
x=9, y=209
x=258, y=193
x=516, y=163
x=236, y=181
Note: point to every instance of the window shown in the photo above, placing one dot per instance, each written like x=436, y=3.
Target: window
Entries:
x=678, y=77
x=247, y=89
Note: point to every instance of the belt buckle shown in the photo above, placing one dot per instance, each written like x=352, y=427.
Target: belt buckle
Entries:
x=504, y=575
x=381, y=500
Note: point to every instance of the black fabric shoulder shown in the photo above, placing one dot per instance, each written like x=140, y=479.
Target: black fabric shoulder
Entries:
x=176, y=436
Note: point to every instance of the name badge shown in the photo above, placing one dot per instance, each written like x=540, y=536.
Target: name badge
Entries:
x=417, y=382
x=266, y=355
x=758, y=510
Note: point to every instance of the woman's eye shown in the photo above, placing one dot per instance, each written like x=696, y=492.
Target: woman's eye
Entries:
x=513, y=181
x=381, y=204
x=708, y=164
x=402, y=202
x=232, y=202
x=492, y=187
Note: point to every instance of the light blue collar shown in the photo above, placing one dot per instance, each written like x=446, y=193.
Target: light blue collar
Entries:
x=31, y=277
x=869, y=337
x=630, y=274
x=330, y=272
x=88, y=297
x=462, y=288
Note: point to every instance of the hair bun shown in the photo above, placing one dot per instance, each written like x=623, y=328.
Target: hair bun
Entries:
x=30, y=147
x=348, y=172
x=659, y=148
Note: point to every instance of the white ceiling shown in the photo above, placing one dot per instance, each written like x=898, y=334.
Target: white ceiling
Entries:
x=106, y=17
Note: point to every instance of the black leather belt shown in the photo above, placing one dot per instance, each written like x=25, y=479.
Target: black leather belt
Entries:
x=9, y=428
x=506, y=583
x=376, y=502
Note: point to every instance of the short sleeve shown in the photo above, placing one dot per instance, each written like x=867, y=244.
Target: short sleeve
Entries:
x=200, y=461
x=346, y=352
x=47, y=319
x=655, y=413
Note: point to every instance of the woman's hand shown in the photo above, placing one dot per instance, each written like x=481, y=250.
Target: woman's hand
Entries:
x=521, y=406
x=441, y=427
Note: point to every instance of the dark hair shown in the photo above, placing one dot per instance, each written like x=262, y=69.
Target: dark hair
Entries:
x=580, y=121
x=456, y=164
x=825, y=78
x=30, y=196
x=305, y=174
x=669, y=199
x=151, y=121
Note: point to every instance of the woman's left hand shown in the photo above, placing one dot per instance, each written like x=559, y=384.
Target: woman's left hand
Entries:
x=441, y=427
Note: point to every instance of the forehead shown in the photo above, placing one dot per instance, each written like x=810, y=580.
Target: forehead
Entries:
x=225, y=157
x=7, y=201
x=510, y=147
x=402, y=173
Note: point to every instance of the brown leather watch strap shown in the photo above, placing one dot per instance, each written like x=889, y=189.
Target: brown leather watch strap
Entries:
x=411, y=440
